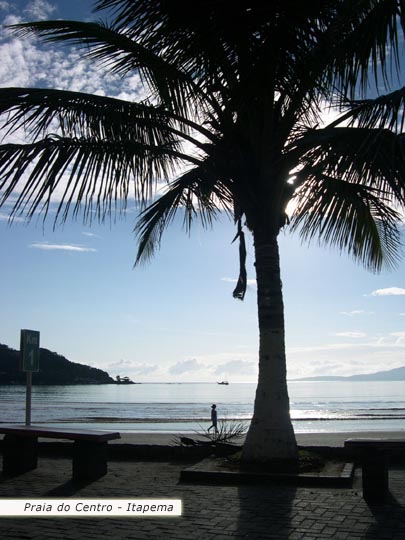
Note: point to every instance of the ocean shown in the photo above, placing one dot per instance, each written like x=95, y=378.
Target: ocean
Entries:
x=316, y=407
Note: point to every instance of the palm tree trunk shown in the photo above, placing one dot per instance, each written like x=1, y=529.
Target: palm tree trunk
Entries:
x=271, y=435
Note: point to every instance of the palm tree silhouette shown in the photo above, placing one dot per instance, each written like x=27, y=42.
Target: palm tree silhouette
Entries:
x=232, y=121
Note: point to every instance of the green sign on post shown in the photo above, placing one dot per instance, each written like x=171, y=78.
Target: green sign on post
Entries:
x=29, y=350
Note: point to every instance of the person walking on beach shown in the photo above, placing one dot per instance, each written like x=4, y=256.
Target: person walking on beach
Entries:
x=214, y=418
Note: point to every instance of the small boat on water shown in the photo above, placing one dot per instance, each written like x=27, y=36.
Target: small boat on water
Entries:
x=223, y=382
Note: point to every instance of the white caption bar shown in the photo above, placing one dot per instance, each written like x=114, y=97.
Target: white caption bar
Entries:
x=89, y=507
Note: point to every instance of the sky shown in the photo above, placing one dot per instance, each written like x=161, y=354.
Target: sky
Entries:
x=174, y=318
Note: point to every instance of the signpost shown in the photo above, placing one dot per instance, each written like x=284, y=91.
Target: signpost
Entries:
x=29, y=362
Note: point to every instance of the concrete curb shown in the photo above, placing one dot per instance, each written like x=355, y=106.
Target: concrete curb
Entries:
x=208, y=472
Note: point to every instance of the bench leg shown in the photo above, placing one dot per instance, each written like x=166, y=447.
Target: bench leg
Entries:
x=89, y=460
x=375, y=475
x=20, y=454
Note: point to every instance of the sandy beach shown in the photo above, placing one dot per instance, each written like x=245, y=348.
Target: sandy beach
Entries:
x=307, y=439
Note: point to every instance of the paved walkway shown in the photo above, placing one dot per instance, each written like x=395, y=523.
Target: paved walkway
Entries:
x=209, y=512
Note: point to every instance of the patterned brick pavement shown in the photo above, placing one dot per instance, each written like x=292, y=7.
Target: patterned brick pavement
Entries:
x=209, y=512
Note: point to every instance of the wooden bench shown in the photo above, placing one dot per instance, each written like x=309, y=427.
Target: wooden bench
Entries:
x=20, y=449
x=374, y=456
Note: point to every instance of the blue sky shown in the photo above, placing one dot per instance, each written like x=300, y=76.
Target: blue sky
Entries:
x=174, y=319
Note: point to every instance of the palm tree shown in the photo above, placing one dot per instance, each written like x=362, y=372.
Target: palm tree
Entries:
x=232, y=122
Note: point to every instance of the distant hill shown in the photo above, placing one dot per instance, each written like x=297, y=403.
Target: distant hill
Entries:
x=54, y=369
x=397, y=374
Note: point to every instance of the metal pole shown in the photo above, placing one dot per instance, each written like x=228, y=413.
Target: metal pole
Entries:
x=28, y=399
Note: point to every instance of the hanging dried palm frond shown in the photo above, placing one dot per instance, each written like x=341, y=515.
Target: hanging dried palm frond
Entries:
x=240, y=289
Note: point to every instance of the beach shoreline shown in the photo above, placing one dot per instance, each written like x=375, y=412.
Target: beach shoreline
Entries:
x=303, y=439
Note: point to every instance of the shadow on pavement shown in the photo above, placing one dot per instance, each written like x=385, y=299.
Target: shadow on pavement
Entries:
x=264, y=510
x=67, y=489
x=389, y=517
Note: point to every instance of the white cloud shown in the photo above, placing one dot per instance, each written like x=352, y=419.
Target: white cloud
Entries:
x=6, y=217
x=39, y=9
x=236, y=367
x=14, y=68
x=5, y=6
x=356, y=312
x=27, y=62
x=143, y=369
x=400, y=337
x=126, y=368
x=351, y=334
x=343, y=359
x=192, y=369
x=91, y=235
x=61, y=247
x=389, y=291
x=186, y=366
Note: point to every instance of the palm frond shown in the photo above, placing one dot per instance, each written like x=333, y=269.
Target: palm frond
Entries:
x=77, y=114
x=208, y=45
x=344, y=49
x=386, y=111
x=351, y=180
x=355, y=218
x=91, y=174
x=197, y=193
x=353, y=48
x=373, y=157
x=242, y=83
x=120, y=54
